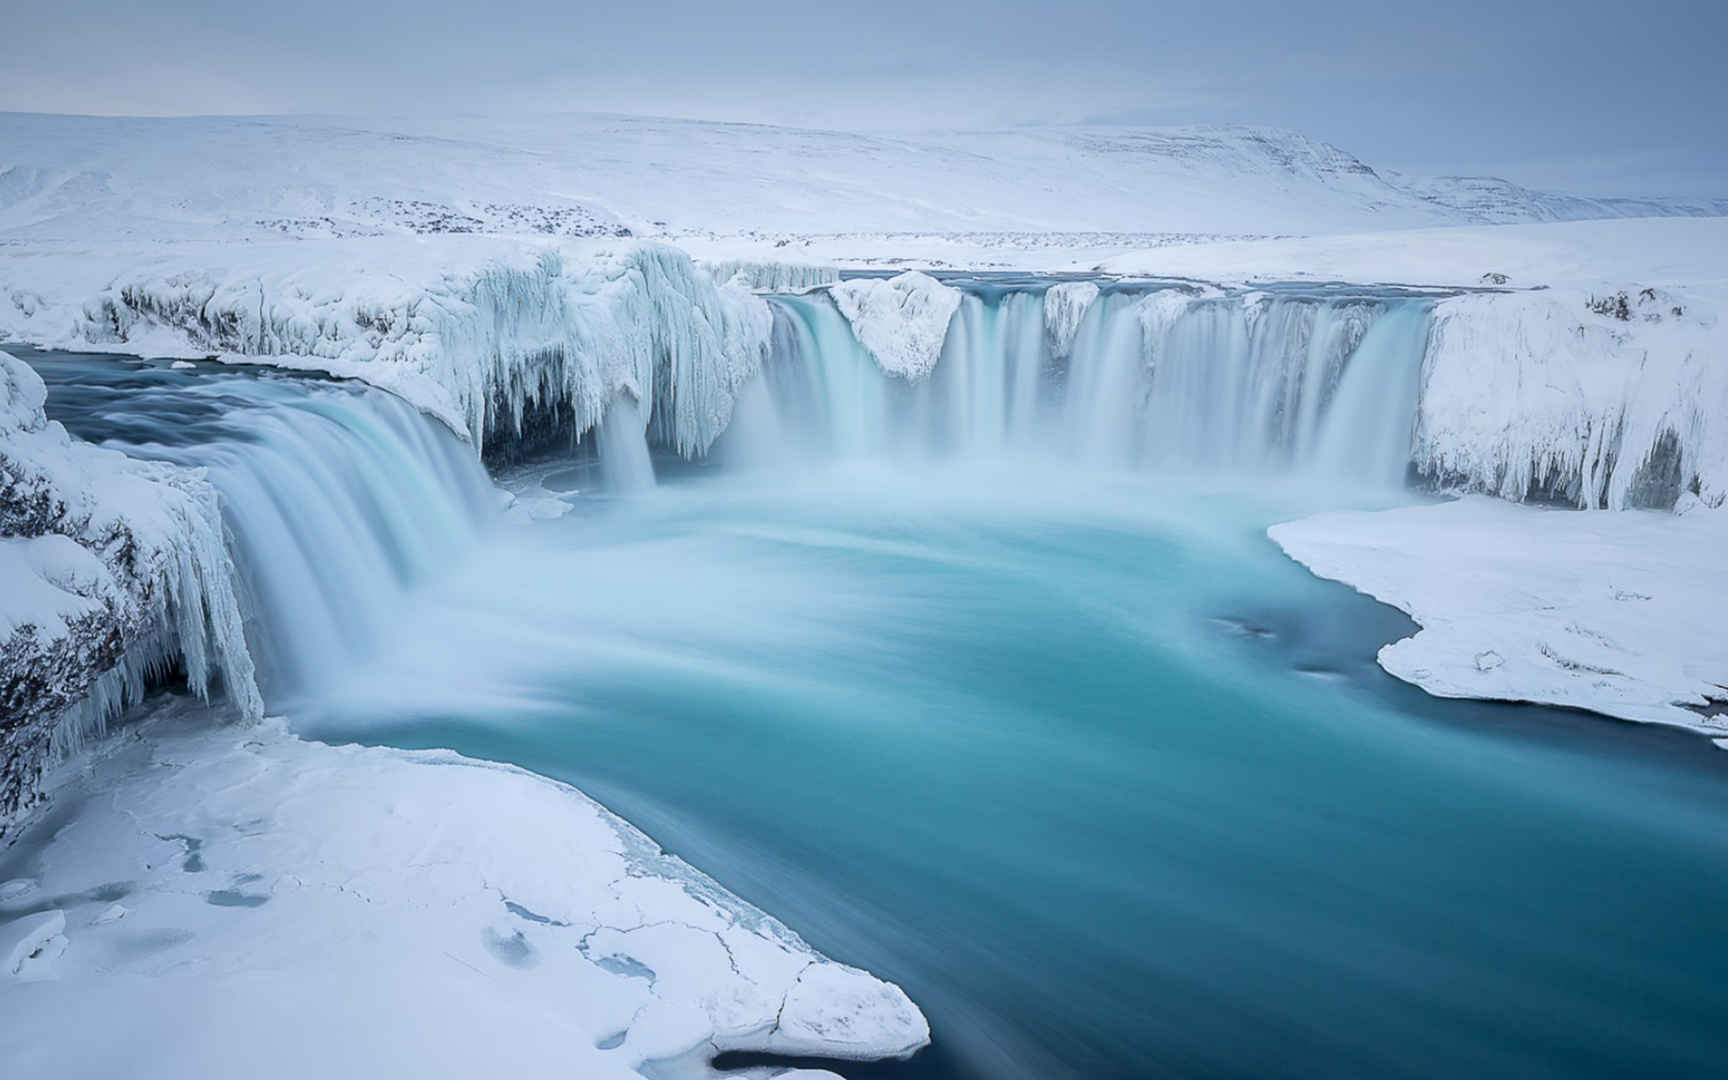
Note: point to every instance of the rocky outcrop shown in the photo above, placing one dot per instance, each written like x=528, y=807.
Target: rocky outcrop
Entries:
x=116, y=574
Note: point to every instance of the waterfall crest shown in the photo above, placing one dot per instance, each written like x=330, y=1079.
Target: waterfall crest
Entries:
x=1164, y=377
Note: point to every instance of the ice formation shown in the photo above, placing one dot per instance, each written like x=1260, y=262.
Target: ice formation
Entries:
x=1616, y=613
x=1536, y=394
x=780, y=277
x=495, y=337
x=267, y=876
x=1065, y=305
x=114, y=569
x=903, y=321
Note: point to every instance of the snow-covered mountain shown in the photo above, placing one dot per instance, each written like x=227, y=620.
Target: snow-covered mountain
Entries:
x=77, y=178
x=1496, y=201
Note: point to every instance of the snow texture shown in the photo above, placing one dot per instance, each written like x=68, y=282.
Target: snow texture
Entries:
x=417, y=912
x=1617, y=613
x=1065, y=307
x=902, y=321
x=75, y=178
x=113, y=570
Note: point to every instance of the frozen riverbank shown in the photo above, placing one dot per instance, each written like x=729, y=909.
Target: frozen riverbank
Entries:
x=406, y=907
x=1618, y=613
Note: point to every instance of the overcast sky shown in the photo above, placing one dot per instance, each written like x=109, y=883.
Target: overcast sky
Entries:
x=1590, y=95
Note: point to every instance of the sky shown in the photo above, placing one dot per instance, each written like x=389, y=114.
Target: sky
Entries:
x=1594, y=96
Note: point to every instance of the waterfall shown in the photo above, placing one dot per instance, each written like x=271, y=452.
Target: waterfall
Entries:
x=336, y=498
x=623, y=444
x=1166, y=377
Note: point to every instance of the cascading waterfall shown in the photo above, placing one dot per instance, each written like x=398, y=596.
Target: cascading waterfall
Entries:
x=337, y=498
x=1167, y=377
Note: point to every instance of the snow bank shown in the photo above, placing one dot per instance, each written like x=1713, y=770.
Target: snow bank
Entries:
x=1620, y=614
x=110, y=569
x=1537, y=393
x=417, y=912
x=1065, y=306
x=493, y=335
x=902, y=321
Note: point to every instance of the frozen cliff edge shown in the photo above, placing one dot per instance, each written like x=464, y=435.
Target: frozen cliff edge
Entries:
x=481, y=920
x=506, y=340
x=1612, y=400
x=1617, y=613
x=111, y=570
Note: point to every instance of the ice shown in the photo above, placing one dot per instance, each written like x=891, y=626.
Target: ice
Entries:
x=466, y=896
x=113, y=568
x=902, y=321
x=1618, y=613
x=1536, y=392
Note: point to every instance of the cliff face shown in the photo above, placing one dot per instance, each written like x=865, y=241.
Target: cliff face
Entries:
x=116, y=571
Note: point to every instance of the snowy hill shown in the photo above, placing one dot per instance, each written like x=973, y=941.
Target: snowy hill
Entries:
x=65, y=178
x=1493, y=200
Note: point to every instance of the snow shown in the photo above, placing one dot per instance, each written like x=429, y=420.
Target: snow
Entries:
x=902, y=321
x=112, y=568
x=65, y=178
x=478, y=331
x=31, y=942
x=1550, y=386
x=1532, y=390
x=416, y=911
x=1576, y=256
x=1065, y=306
x=1617, y=613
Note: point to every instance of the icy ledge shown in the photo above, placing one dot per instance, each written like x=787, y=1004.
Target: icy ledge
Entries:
x=411, y=913
x=1618, y=613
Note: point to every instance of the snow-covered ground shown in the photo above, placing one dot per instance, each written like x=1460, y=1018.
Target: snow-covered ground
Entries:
x=1618, y=613
x=575, y=174
x=472, y=919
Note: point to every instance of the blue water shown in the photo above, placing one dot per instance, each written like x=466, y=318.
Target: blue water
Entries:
x=1106, y=783
x=1110, y=786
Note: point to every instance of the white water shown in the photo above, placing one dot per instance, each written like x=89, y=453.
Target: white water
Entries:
x=623, y=444
x=1166, y=379
x=337, y=499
